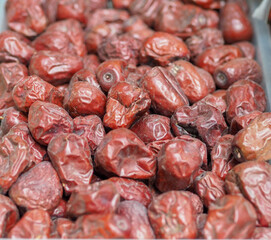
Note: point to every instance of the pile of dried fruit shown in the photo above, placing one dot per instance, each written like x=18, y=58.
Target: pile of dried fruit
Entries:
x=145, y=120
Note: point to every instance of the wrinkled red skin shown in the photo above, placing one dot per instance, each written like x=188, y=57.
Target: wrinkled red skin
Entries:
x=121, y=3
x=63, y=89
x=13, y=160
x=147, y=9
x=176, y=166
x=14, y=48
x=34, y=224
x=136, y=27
x=261, y=233
x=33, y=88
x=132, y=190
x=230, y=217
x=184, y=20
x=90, y=127
x=122, y=46
x=209, y=4
x=247, y=48
x=209, y=187
x=236, y=69
x=164, y=91
x=122, y=153
x=46, y=120
x=201, y=220
x=199, y=119
x=137, y=214
x=191, y=80
x=163, y=48
x=222, y=159
x=152, y=128
x=9, y=215
x=92, y=5
x=60, y=226
x=253, y=142
x=110, y=72
x=10, y=75
x=171, y=215
x=61, y=210
x=196, y=202
x=234, y=23
x=85, y=75
x=243, y=97
x=6, y=101
x=36, y=153
x=26, y=17
x=54, y=67
x=100, y=33
x=204, y=39
x=74, y=9
x=217, y=99
x=240, y=122
x=11, y=118
x=213, y=57
x=39, y=187
x=106, y=16
x=135, y=74
x=252, y=180
x=97, y=198
x=91, y=62
x=85, y=99
x=156, y=146
x=73, y=169
x=100, y=226
x=125, y=103
x=50, y=9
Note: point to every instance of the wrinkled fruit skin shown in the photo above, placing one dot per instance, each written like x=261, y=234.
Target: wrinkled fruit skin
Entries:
x=171, y=216
x=39, y=187
x=42, y=128
x=122, y=153
x=230, y=217
x=71, y=158
x=247, y=48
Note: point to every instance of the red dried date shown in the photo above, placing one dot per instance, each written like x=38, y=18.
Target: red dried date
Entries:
x=222, y=159
x=261, y=233
x=176, y=166
x=191, y=80
x=247, y=49
x=39, y=187
x=163, y=48
x=236, y=69
x=100, y=226
x=240, y=122
x=152, y=128
x=122, y=153
x=213, y=57
x=204, y=39
x=200, y=119
x=111, y=72
x=33, y=88
x=34, y=224
x=130, y=189
x=61, y=227
x=164, y=91
x=121, y=3
x=26, y=17
x=9, y=215
x=122, y=46
x=85, y=75
x=234, y=23
x=60, y=210
x=91, y=62
x=254, y=141
x=209, y=187
x=195, y=200
x=54, y=67
x=137, y=214
x=209, y=4
x=14, y=48
x=73, y=169
x=125, y=103
x=46, y=120
x=243, y=97
x=85, y=99
x=90, y=127
x=11, y=118
x=220, y=223
x=97, y=198
x=172, y=216
x=252, y=180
